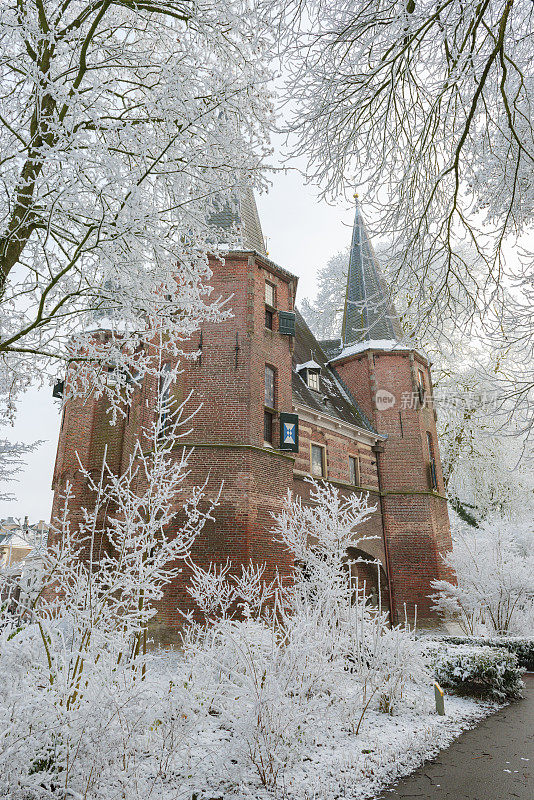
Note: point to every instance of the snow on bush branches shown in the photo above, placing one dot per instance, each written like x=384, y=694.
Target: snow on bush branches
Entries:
x=317, y=648
x=494, y=566
x=488, y=672
x=90, y=713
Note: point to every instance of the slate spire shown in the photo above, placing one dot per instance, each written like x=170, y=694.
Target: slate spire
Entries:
x=240, y=214
x=369, y=313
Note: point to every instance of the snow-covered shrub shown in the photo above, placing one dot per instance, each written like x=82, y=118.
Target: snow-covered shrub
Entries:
x=523, y=647
x=333, y=608
x=494, y=566
x=487, y=672
x=78, y=705
x=244, y=675
x=272, y=663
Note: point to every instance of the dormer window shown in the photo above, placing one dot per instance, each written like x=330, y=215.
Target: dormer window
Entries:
x=310, y=372
x=313, y=380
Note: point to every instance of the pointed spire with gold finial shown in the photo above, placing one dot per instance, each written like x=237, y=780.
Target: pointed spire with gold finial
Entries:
x=369, y=314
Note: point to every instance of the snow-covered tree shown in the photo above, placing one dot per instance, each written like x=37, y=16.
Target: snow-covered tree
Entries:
x=122, y=127
x=494, y=566
x=12, y=462
x=427, y=108
x=324, y=314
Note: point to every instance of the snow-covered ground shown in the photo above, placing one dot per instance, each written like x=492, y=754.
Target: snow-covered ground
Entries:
x=344, y=765
x=330, y=760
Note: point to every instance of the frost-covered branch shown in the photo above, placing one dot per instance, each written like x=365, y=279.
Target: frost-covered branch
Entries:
x=495, y=570
x=427, y=108
x=123, y=127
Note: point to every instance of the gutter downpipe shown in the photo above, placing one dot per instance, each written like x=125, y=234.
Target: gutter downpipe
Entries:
x=377, y=450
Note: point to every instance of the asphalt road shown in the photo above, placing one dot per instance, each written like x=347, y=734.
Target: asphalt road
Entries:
x=494, y=761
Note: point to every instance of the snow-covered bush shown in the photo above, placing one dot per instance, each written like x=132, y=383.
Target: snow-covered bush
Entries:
x=487, y=672
x=522, y=647
x=273, y=662
x=78, y=706
x=243, y=674
x=494, y=566
x=333, y=608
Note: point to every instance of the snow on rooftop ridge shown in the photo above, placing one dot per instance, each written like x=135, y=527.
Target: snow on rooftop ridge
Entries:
x=375, y=344
x=311, y=364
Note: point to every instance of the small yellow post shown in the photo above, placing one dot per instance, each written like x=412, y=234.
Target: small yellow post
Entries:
x=440, y=699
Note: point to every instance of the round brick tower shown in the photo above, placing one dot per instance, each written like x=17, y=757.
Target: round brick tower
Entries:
x=392, y=383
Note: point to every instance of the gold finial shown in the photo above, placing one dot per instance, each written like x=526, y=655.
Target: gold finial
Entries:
x=356, y=195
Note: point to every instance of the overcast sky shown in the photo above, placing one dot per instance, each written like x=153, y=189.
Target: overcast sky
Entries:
x=302, y=233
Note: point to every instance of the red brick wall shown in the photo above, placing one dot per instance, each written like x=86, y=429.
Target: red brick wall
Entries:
x=415, y=518
x=228, y=390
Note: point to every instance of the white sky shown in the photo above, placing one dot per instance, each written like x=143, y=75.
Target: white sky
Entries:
x=302, y=234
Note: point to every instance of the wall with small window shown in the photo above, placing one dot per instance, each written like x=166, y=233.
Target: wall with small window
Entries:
x=270, y=294
x=344, y=460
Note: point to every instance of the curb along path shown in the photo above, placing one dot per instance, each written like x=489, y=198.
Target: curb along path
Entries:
x=494, y=761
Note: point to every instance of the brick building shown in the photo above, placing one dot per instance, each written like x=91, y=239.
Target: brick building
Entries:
x=279, y=406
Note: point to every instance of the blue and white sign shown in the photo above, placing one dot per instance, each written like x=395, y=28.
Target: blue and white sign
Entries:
x=289, y=432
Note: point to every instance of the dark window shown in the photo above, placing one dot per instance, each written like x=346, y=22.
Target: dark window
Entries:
x=432, y=466
x=421, y=387
x=267, y=427
x=269, y=386
x=354, y=469
x=318, y=461
x=270, y=294
x=269, y=319
x=164, y=390
x=313, y=380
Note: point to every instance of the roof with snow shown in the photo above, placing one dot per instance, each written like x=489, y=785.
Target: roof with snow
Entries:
x=333, y=397
x=369, y=313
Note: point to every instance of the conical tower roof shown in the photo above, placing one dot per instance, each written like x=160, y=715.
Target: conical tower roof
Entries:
x=369, y=314
x=239, y=213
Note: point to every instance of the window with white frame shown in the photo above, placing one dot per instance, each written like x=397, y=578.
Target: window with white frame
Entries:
x=270, y=376
x=270, y=294
x=313, y=380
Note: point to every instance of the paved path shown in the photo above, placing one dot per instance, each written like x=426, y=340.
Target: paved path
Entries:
x=494, y=761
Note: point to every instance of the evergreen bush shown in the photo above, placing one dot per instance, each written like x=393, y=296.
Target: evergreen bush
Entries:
x=491, y=673
x=522, y=646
